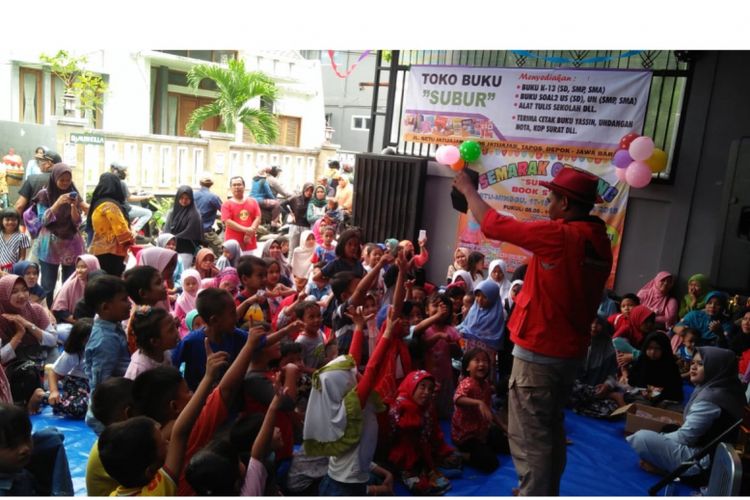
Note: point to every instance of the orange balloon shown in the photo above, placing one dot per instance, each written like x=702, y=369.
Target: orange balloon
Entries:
x=459, y=165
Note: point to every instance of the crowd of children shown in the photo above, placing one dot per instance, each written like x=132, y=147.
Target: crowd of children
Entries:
x=322, y=369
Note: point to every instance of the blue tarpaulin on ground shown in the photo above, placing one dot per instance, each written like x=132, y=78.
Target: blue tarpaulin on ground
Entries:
x=600, y=461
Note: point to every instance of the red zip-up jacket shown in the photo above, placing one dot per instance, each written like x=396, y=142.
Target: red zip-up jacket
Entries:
x=563, y=283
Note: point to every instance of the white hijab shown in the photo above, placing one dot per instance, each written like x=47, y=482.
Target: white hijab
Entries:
x=301, y=255
x=504, y=284
x=466, y=277
x=325, y=418
x=510, y=299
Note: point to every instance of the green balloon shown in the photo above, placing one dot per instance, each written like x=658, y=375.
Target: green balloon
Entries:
x=470, y=150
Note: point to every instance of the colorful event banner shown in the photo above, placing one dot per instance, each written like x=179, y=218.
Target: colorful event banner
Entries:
x=530, y=124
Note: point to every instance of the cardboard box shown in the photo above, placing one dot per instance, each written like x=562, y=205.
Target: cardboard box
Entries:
x=639, y=416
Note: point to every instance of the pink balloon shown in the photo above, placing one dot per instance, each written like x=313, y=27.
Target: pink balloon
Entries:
x=620, y=173
x=638, y=174
x=440, y=154
x=641, y=149
x=452, y=154
x=621, y=159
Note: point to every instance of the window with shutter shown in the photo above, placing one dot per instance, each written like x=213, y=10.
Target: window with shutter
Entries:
x=289, y=131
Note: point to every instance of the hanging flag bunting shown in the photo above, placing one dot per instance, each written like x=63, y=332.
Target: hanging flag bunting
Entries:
x=570, y=60
x=351, y=68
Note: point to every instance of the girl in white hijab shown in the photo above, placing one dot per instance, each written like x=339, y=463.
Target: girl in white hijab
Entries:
x=499, y=275
x=466, y=278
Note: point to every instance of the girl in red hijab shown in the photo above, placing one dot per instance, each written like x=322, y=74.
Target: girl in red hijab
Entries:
x=418, y=445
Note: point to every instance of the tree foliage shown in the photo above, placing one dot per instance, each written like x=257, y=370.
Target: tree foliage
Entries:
x=236, y=87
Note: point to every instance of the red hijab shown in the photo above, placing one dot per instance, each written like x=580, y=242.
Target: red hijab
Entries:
x=631, y=329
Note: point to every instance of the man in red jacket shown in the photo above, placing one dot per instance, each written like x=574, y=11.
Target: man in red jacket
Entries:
x=551, y=321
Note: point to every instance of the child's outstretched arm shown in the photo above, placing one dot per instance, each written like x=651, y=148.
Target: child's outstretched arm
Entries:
x=360, y=322
x=400, y=291
x=232, y=379
x=376, y=363
x=366, y=284
x=215, y=362
x=262, y=445
x=295, y=326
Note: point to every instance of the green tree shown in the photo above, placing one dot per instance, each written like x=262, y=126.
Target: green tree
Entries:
x=236, y=86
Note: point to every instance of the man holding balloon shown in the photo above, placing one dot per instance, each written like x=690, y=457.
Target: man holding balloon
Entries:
x=549, y=326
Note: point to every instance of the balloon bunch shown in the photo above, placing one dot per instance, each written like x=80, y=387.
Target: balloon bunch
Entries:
x=637, y=160
x=458, y=157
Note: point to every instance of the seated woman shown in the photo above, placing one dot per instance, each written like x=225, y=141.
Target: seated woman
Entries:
x=656, y=295
x=695, y=299
x=712, y=321
x=169, y=241
x=29, y=271
x=715, y=405
x=656, y=371
x=26, y=344
x=589, y=395
x=72, y=290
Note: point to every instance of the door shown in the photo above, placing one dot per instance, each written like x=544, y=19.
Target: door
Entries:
x=186, y=105
x=732, y=255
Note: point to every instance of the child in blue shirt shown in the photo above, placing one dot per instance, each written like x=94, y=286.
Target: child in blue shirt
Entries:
x=106, y=354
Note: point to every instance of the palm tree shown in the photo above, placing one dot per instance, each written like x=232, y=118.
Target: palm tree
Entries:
x=236, y=86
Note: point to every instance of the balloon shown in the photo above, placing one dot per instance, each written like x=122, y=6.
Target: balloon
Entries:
x=621, y=159
x=459, y=165
x=641, y=149
x=627, y=139
x=620, y=173
x=638, y=174
x=470, y=151
x=447, y=155
x=657, y=162
x=440, y=154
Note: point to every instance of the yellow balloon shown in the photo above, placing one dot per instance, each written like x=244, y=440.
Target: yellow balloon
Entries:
x=657, y=162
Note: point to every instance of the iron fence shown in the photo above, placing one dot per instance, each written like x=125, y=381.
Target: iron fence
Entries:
x=671, y=71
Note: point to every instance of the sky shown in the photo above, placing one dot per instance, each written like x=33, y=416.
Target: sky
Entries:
x=378, y=24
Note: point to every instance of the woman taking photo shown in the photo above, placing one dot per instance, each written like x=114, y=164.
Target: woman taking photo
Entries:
x=108, y=219
x=60, y=241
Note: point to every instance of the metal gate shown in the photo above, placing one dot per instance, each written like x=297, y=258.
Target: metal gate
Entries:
x=670, y=82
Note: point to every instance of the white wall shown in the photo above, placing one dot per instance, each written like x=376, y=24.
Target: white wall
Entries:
x=301, y=90
x=126, y=107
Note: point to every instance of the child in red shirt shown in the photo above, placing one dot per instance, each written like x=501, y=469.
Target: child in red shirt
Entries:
x=475, y=429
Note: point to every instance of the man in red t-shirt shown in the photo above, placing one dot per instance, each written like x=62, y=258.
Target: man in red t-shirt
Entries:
x=241, y=216
x=551, y=320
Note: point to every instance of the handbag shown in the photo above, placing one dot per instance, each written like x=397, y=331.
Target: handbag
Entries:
x=32, y=221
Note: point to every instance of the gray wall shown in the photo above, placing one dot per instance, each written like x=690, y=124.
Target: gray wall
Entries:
x=344, y=98
x=668, y=227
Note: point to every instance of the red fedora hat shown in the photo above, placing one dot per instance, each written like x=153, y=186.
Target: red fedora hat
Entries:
x=577, y=184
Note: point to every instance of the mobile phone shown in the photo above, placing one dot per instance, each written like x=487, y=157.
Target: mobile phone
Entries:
x=394, y=251
x=422, y=235
x=73, y=194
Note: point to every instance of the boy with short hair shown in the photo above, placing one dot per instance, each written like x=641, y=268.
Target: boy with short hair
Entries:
x=161, y=394
x=251, y=302
x=311, y=338
x=106, y=354
x=111, y=402
x=217, y=309
x=31, y=464
x=138, y=457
